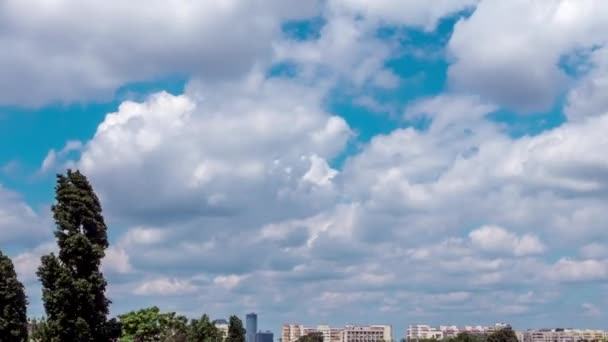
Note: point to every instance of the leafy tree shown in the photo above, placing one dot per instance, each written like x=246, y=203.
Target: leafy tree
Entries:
x=174, y=328
x=236, y=332
x=141, y=326
x=466, y=337
x=13, y=302
x=502, y=335
x=202, y=330
x=40, y=331
x=151, y=325
x=312, y=337
x=73, y=287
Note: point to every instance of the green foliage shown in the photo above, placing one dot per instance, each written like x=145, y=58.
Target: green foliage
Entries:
x=502, y=335
x=236, y=332
x=13, y=302
x=73, y=288
x=312, y=337
x=40, y=331
x=467, y=337
x=142, y=325
x=151, y=325
x=202, y=330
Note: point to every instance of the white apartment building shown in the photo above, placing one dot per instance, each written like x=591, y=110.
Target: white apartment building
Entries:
x=222, y=326
x=563, y=335
x=292, y=332
x=424, y=331
x=350, y=333
x=367, y=333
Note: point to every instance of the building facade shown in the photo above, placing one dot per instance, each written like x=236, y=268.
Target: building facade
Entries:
x=367, y=333
x=349, y=333
x=251, y=326
x=423, y=331
x=564, y=335
x=264, y=336
x=291, y=332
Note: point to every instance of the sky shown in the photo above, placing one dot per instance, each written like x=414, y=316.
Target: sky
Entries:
x=319, y=162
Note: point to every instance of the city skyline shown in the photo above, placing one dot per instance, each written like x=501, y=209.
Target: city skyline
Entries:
x=338, y=161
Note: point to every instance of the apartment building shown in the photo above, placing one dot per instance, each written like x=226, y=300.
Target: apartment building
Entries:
x=291, y=332
x=424, y=331
x=366, y=333
x=564, y=335
x=350, y=333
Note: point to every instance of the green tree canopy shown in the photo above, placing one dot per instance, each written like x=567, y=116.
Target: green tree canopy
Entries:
x=202, y=330
x=151, y=325
x=40, y=331
x=236, y=332
x=73, y=287
x=502, y=335
x=13, y=302
x=141, y=326
x=312, y=337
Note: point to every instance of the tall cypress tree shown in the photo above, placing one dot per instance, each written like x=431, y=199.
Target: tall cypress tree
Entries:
x=13, y=302
x=73, y=287
x=236, y=332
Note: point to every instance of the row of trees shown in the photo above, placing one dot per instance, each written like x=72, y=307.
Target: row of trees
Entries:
x=73, y=286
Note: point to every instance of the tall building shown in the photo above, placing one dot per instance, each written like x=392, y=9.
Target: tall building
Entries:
x=264, y=336
x=222, y=326
x=251, y=326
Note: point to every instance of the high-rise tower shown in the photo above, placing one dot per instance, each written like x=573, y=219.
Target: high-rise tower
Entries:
x=251, y=327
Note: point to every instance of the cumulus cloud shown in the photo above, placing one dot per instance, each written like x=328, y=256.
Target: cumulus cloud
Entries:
x=571, y=270
x=586, y=98
x=19, y=223
x=497, y=239
x=510, y=51
x=164, y=287
x=408, y=13
x=234, y=183
x=119, y=49
x=210, y=148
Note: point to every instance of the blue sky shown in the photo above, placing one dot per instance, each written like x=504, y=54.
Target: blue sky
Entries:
x=342, y=161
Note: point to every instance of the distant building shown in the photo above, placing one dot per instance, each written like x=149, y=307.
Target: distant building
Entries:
x=264, y=336
x=350, y=333
x=222, y=326
x=367, y=333
x=564, y=335
x=291, y=332
x=251, y=326
x=423, y=331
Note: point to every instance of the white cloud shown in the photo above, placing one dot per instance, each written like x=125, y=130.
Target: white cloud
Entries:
x=320, y=173
x=19, y=223
x=228, y=281
x=403, y=12
x=27, y=263
x=53, y=158
x=116, y=261
x=130, y=42
x=509, y=51
x=218, y=143
x=165, y=287
x=570, y=270
x=587, y=97
x=497, y=239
